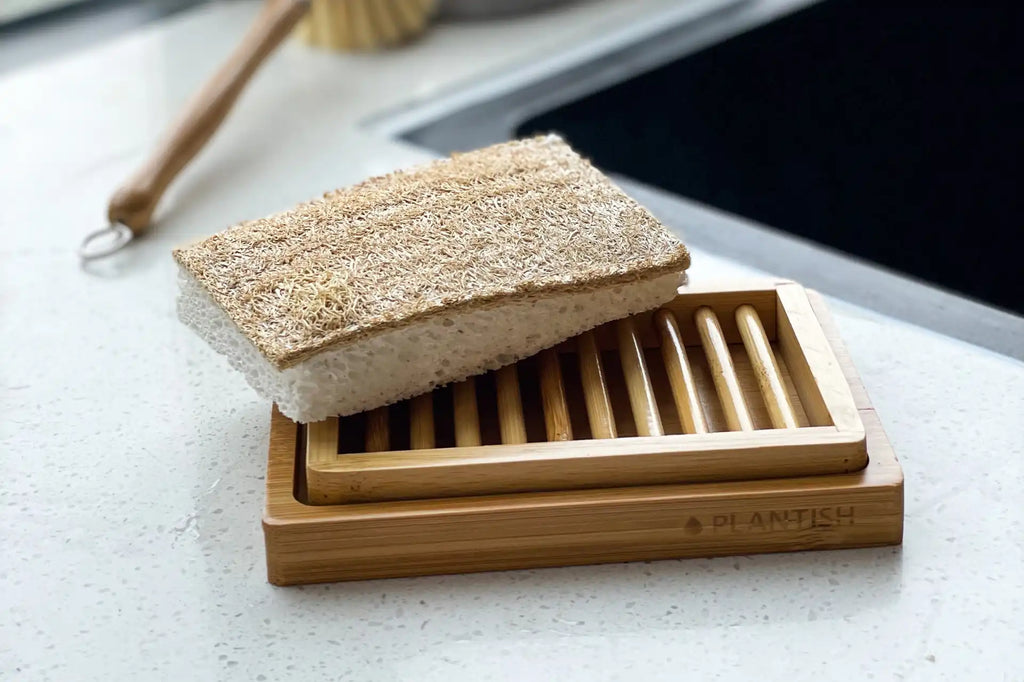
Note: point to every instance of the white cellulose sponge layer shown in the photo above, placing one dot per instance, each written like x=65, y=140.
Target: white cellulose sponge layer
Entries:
x=387, y=289
x=407, y=361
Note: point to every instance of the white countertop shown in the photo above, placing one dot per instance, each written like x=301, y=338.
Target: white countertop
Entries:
x=132, y=458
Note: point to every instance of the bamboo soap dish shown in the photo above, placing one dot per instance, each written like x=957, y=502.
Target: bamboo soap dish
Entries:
x=729, y=421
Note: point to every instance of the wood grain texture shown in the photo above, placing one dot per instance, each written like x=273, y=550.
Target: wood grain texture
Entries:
x=467, y=415
x=421, y=422
x=307, y=544
x=135, y=201
x=722, y=371
x=680, y=376
x=493, y=469
x=510, y=406
x=377, y=437
x=824, y=393
x=552, y=393
x=638, y=380
x=322, y=442
x=595, y=388
x=766, y=369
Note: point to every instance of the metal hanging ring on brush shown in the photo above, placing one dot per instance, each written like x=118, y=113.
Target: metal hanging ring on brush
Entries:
x=104, y=242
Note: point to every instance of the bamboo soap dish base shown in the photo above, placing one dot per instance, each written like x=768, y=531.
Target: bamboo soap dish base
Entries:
x=753, y=507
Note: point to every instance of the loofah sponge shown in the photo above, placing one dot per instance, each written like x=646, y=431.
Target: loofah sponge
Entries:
x=384, y=290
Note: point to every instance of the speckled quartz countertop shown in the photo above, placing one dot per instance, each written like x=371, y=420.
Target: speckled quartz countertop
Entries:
x=131, y=457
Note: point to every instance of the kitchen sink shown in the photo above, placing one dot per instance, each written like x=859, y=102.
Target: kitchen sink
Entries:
x=893, y=133
x=863, y=148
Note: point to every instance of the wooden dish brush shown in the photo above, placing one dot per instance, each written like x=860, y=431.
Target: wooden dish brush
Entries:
x=364, y=24
x=339, y=24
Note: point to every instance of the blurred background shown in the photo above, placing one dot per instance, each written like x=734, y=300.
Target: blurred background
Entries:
x=885, y=133
x=35, y=30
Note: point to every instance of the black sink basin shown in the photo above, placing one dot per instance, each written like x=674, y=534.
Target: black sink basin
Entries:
x=891, y=131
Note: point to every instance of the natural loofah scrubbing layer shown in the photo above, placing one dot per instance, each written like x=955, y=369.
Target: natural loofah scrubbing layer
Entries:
x=424, y=276
x=406, y=361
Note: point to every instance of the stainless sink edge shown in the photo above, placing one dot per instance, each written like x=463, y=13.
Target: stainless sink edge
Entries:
x=832, y=272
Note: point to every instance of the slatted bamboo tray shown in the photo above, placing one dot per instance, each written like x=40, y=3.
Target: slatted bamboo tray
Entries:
x=752, y=442
x=721, y=384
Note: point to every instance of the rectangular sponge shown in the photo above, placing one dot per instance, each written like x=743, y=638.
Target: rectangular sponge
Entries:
x=384, y=290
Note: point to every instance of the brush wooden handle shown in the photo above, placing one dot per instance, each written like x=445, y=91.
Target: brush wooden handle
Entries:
x=133, y=204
